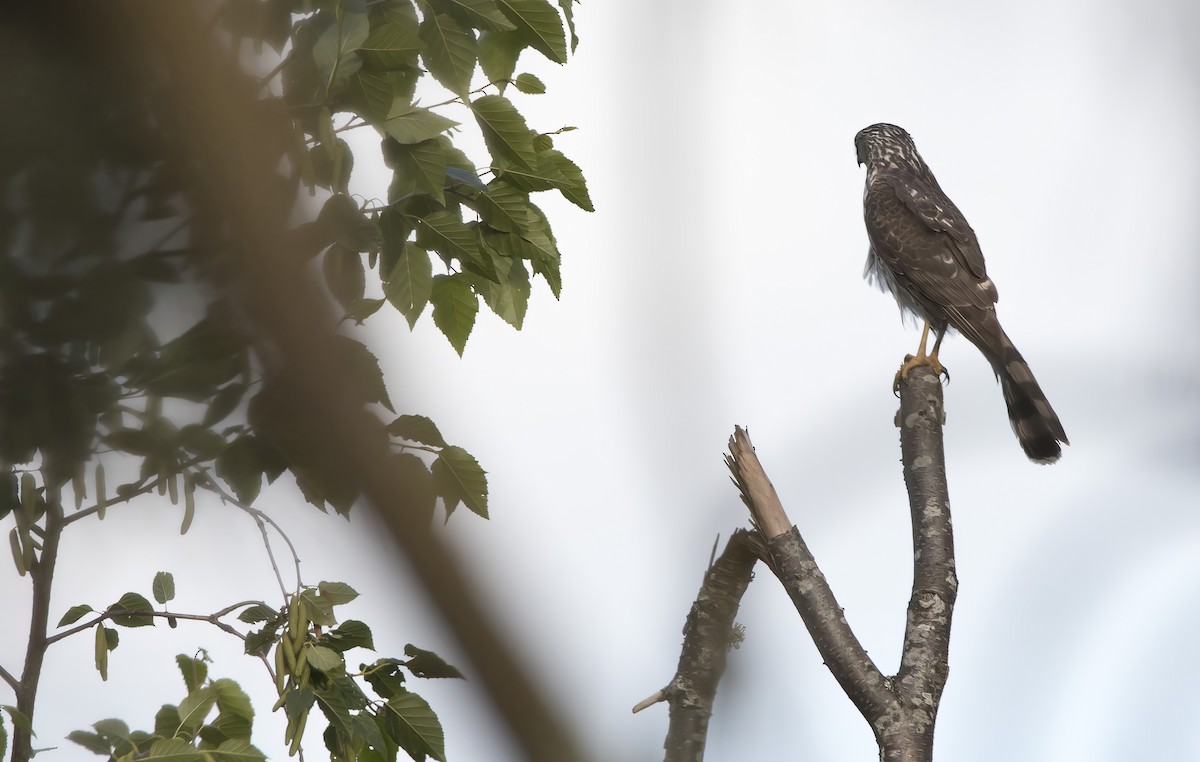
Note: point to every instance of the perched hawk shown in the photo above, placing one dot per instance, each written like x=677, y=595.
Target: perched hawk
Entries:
x=924, y=253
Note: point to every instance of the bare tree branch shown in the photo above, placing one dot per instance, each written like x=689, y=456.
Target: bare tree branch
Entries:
x=796, y=568
x=907, y=732
x=707, y=637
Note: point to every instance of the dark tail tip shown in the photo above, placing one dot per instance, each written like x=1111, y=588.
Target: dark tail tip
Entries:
x=1033, y=420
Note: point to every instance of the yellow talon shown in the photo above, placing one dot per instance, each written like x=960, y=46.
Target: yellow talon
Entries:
x=921, y=359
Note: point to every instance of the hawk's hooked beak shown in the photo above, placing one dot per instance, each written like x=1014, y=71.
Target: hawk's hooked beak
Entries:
x=860, y=148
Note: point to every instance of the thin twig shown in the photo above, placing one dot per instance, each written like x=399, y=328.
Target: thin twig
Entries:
x=260, y=517
x=107, y=615
x=10, y=678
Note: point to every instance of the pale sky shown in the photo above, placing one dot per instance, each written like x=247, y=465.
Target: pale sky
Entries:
x=719, y=283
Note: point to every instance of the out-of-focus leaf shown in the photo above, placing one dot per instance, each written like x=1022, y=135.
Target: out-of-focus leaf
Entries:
x=241, y=467
x=458, y=476
x=416, y=428
x=344, y=274
x=194, y=671
x=424, y=663
x=348, y=226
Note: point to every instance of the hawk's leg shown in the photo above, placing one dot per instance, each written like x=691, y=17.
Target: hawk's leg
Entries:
x=920, y=358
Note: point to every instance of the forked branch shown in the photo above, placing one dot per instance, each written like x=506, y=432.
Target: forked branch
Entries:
x=901, y=710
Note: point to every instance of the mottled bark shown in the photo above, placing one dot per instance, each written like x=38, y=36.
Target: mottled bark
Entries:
x=707, y=637
x=901, y=710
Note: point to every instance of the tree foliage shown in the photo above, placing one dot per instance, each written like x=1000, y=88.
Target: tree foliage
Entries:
x=122, y=346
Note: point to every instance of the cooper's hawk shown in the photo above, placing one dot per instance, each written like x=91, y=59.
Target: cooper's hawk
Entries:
x=925, y=253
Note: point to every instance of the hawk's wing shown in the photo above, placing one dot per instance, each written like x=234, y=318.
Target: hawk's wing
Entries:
x=927, y=244
x=926, y=200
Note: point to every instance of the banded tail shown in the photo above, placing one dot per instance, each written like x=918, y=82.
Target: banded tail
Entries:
x=1033, y=420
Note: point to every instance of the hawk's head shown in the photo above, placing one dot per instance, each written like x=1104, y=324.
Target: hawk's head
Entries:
x=887, y=145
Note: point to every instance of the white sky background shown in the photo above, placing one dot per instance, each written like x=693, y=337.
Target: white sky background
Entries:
x=719, y=283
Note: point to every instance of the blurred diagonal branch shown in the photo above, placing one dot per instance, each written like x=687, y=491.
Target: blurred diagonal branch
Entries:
x=291, y=315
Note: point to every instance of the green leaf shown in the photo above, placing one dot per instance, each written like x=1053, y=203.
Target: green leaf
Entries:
x=344, y=274
x=407, y=123
x=572, y=185
x=259, y=642
x=569, y=14
x=236, y=750
x=541, y=252
x=334, y=49
x=545, y=257
x=454, y=308
x=90, y=741
x=132, y=602
x=174, y=750
x=458, y=476
x=349, y=634
x=194, y=709
x=74, y=614
x=259, y=612
x=320, y=608
x=4, y=739
x=164, y=587
x=348, y=226
x=428, y=664
x=529, y=84
x=509, y=298
x=361, y=309
x=410, y=282
x=416, y=428
x=417, y=729
x=481, y=14
x=504, y=130
x=324, y=659
x=393, y=44
x=450, y=52
x=423, y=164
x=231, y=699
x=19, y=720
x=443, y=232
x=337, y=593
x=540, y=26
x=503, y=207
x=194, y=671
x=498, y=54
